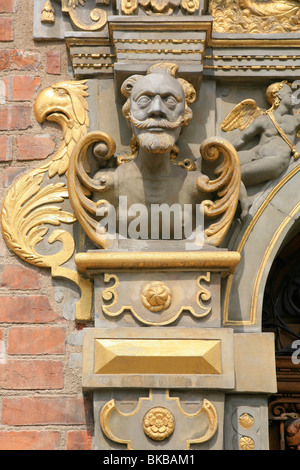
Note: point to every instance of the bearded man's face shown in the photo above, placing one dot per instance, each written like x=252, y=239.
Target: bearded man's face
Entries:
x=157, y=105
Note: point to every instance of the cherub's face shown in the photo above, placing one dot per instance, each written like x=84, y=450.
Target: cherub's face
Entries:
x=157, y=104
x=285, y=96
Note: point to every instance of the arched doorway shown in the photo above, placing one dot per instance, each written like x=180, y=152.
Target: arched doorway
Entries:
x=281, y=315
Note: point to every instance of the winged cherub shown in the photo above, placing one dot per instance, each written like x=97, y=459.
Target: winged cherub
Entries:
x=276, y=130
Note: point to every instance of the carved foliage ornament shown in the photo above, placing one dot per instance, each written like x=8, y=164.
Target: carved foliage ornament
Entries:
x=165, y=7
x=255, y=16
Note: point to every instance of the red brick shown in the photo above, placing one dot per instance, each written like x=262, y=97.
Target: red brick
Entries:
x=5, y=148
x=20, y=117
x=26, y=309
x=22, y=411
x=4, y=117
x=19, y=277
x=36, y=340
x=21, y=87
x=29, y=440
x=16, y=59
x=7, y=6
x=34, y=147
x=79, y=440
x=53, y=62
x=15, y=117
x=3, y=248
x=9, y=175
x=31, y=375
x=6, y=29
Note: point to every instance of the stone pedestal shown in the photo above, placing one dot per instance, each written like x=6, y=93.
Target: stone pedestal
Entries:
x=164, y=372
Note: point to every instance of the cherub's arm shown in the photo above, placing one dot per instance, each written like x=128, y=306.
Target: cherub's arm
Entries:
x=249, y=133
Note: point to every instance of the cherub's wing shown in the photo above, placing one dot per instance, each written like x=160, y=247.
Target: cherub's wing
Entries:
x=241, y=116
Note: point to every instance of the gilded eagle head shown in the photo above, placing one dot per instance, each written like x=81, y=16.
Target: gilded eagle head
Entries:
x=64, y=103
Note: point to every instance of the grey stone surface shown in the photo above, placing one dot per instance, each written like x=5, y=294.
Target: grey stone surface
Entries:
x=246, y=437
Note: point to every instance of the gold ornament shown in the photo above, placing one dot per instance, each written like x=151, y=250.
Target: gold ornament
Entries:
x=252, y=16
x=227, y=186
x=31, y=206
x=246, y=443
x=158, y=423
x=246, y=421
x=191, y=6
x=48, y=13
x=156, y=296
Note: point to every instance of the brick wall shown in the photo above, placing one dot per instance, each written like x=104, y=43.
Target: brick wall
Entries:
x=41, y=401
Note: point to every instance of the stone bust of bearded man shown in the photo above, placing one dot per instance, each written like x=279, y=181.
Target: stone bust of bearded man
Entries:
x=157, y=108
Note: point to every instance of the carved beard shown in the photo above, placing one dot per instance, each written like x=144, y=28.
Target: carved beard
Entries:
x=156, y=142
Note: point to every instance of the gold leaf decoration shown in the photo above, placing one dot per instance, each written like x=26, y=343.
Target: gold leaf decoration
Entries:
x=26, y=210
x=250, y=16
x=226, y=185
x=246, y=443
x=65, y=104
x=156, y=296
x=246, y=421
x=158, y=423
x=29, y=206
x=32, y=205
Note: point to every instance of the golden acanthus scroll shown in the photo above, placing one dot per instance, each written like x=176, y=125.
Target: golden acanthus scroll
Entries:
x=34, y=203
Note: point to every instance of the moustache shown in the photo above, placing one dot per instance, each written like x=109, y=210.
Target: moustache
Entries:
x=152, y=123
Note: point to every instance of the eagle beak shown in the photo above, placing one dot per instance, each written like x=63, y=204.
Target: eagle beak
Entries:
x=43, y=104
x=49, y=105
